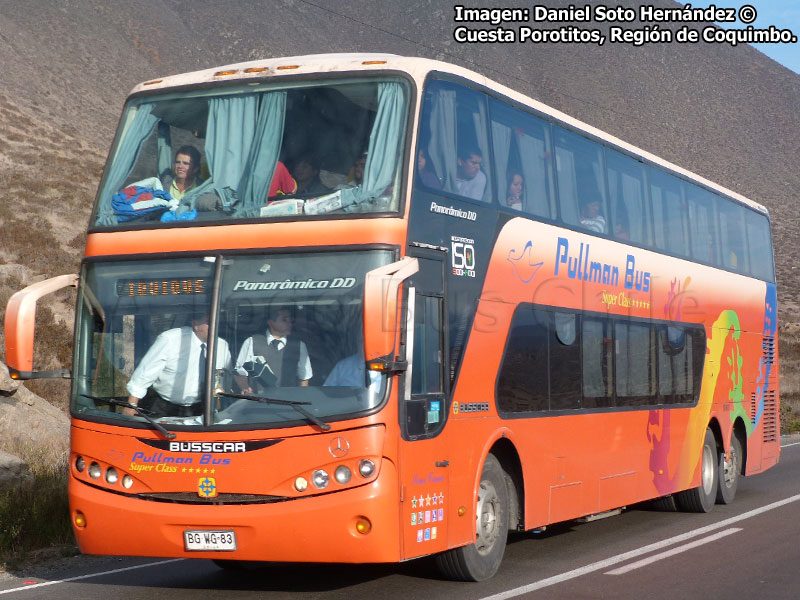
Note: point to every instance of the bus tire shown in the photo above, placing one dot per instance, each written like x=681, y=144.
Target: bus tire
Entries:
x=481, y=559
x=702, y=498
x=729, y=472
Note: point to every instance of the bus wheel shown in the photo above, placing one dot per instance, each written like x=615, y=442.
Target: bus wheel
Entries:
x=480, y=560
x=729, y=471
x=701, y=499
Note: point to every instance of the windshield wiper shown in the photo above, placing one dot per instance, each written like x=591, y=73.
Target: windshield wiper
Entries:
x=298, y=406
x=140, y=411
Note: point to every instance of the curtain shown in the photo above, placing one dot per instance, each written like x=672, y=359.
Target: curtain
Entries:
x=382, y=153
x=229, y=136
x=501, y=137
x=480, y=121
x=532, y=151
x=164, y=150
x=139, y=126
x=263, y=156
x=442, y=147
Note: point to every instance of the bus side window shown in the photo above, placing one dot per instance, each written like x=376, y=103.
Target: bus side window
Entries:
x=732, y=237
x=627, y=198
x=581, y=182
x=458, y=144
x=703, y=231
x=565, y=361
x=635, y=363
x=598, y=363
x=759, y=246
x=523, y=161
x=523, y=379
x=668, y=212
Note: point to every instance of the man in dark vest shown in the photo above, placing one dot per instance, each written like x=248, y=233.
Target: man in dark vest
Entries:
x=273, y=359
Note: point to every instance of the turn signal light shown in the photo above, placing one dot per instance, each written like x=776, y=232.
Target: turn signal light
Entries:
x=363, y=525
x=80, y=519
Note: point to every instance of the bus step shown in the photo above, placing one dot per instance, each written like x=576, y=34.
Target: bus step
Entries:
x=602, y=515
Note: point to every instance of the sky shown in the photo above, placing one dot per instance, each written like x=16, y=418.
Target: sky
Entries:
x=783, y=14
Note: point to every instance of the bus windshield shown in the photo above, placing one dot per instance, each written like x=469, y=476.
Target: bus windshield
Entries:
x=256, y=151
x=287, y=346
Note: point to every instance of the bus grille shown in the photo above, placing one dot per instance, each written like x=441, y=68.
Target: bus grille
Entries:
x=770, y=416
x=768, y=350
x=193, y=498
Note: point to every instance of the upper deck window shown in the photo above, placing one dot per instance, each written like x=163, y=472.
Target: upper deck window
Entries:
x=316, y=148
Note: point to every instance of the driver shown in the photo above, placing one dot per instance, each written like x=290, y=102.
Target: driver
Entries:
x=169, y=378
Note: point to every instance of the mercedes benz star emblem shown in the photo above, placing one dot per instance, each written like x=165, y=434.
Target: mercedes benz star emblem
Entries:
x=339, y=447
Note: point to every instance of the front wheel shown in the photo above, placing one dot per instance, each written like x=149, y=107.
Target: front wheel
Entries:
x=729, y=469
x=481, y=559
x=701, y=499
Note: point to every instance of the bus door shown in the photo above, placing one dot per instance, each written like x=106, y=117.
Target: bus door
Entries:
x=424, y=456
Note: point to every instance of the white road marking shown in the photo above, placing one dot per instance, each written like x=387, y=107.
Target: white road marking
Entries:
x=625, y=556
x=68, y=579
x=661, y=556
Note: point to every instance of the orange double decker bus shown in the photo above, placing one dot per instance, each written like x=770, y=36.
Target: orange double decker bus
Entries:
x=367, y=308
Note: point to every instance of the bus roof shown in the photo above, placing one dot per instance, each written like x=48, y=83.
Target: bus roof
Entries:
x=418, y=68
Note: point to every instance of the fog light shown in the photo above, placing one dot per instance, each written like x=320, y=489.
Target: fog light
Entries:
x=111, y=475
x=127, y=482
x=301, y=484
x=94, y=471
x=80, y=464
x=342, y=474
x=366, y=468
x=80, y=519
x=320, y=479
x=363, y=526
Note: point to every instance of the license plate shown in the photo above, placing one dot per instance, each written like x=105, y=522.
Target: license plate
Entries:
x=224, y=541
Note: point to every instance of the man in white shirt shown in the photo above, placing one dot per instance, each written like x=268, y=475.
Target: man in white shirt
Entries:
x=174, y=367
x=275, y=359
x=470, y=180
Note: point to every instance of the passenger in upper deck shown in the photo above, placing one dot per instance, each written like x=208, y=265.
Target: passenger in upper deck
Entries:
x=426, y=175
x=282, y=181
x=356, y=176
x=184, y=174
x=470, y=180
x=516, y=184
x=306, y=172
x=591, y=218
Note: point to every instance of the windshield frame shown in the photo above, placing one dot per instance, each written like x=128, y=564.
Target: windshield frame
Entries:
x=81, y=346
x=263, y=83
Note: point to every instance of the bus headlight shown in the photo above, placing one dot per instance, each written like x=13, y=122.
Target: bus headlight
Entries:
x=301, y=484
x=127, y=482
x=342, y=474
x=94, y=471
x=80, y=464
x=111, y=475
x=366, y=468
x=320, y=479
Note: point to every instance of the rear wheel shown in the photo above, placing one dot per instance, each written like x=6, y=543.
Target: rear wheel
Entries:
x=480, y=560
x=702, y=498
x=729, y=469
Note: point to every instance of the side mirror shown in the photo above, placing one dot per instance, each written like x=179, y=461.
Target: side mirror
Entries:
x=381, y=304
x=20, y=324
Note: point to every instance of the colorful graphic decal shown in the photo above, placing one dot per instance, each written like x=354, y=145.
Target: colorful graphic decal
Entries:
x=463, y=256
x=764, y=366
x=723, y=357
x=432, y=506
x=522, y=264
x=207, y=487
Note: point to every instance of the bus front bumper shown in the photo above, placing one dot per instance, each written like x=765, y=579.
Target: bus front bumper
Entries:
x=314, y=529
